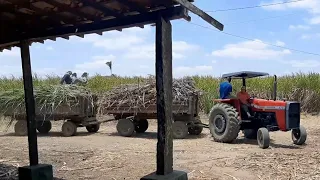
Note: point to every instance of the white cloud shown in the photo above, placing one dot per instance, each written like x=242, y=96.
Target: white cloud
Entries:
x=190, y=71
x=280, y=43
x=303, y=63
x=49, y=48
x=312, y=6
x=299, y=27
x=315, y=20
x=115, y=40
x=250, y=50
x=147, y=51
x=98, y=62
x=14, y=52
x=309, y=36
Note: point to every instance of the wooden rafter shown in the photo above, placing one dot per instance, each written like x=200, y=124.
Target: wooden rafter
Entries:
x=105, y=10
x=118, y=23
x=67, y=8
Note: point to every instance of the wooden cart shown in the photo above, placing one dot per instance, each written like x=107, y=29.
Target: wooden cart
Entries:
x=78, y=115
x=185, y=116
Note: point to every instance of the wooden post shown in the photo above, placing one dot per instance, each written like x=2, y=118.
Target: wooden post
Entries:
x=29, y=103
x=164, y=96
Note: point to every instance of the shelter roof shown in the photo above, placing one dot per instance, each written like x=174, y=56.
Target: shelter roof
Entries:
x=39, y=20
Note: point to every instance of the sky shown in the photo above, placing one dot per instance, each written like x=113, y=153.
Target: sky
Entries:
x=255, y=39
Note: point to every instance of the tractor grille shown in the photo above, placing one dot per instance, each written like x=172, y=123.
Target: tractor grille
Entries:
x=293, y=115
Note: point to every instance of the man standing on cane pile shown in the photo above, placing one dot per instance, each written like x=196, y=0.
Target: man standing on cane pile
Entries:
x=66, y=79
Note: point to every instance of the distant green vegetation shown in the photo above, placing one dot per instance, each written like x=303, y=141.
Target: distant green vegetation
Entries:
x=304, y=88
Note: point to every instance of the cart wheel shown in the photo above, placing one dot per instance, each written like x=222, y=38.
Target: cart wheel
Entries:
x=21, y=128
x=93, y=128
x=263, y=138
x=125, y=127
x=141, y=125
x=69, y=129
x=44, y=126
x=195, y=130
x=179, y=129
x=299, y=136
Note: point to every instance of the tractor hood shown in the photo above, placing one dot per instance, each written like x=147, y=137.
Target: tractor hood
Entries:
x=268, y=104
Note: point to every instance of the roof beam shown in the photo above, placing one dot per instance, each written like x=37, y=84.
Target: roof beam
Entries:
x=67, y=8
x=200, y=13
x=106, y=25
x=133, y=6
x=105, y=10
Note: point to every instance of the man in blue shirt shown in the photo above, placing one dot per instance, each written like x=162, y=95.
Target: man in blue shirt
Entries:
x=225, y=89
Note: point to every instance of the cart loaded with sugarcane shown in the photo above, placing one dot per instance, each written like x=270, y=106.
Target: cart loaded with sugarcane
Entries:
x=71, y=103
x=132, y=105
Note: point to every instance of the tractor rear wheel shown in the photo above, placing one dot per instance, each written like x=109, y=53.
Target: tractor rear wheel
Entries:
x=223, y=123
x=250, y=133
x=299, y=136
x=263, y=138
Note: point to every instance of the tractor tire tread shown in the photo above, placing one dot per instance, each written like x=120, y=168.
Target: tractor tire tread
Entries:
x=233, y=128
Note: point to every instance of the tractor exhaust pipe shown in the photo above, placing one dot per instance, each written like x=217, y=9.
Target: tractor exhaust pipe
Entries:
x=275, y=88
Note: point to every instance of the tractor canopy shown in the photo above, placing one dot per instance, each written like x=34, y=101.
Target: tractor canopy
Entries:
x=244, y=75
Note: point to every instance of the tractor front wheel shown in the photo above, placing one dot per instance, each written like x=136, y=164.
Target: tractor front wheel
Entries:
x=223, y=123
x=263, y=138
x=299, y=136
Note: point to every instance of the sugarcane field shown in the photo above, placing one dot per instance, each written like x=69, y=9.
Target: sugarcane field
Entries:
x=109, y=153
x=159, y=90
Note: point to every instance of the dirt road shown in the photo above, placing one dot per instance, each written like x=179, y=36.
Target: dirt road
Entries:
x=105, y=155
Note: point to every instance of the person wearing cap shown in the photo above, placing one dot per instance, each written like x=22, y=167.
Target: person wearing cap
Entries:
x=225, y=89
x=244, y=97
x=66, y=79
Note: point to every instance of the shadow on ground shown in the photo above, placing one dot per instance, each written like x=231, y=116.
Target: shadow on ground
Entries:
x=153, y=135
x=10, y=172
x=272, y=143
x=50, y=134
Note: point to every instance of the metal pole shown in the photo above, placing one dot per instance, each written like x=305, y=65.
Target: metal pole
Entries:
x=29, y=103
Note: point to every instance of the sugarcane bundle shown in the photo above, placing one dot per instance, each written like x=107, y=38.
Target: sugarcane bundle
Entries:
x=140, y=96
x=48, y=97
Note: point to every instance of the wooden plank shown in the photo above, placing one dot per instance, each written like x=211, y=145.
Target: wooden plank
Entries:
x=164, y=96
x=200, y=13
x=29, y=103
x=133, y=6
x=106, y=11
x=107, y=25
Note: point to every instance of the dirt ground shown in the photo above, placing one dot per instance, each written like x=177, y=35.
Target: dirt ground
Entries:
x=107, y=156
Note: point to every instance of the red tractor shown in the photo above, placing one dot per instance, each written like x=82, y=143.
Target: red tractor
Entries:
x=227, y=118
